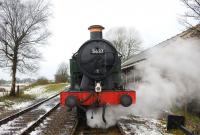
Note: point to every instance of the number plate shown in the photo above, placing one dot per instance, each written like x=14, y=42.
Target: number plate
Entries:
x=97, y=51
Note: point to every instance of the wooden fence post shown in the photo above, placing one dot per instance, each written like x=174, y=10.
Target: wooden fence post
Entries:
x=17, y=90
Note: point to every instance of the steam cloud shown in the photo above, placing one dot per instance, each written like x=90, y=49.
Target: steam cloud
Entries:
x=171, y=76
x=112, y=115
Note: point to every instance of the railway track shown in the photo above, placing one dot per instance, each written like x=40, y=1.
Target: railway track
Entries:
x=30, y=119
x=60, y=122
x=84, y=130
x=25, y=121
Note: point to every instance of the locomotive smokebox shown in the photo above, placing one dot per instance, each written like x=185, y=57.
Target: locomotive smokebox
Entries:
x=96, y=31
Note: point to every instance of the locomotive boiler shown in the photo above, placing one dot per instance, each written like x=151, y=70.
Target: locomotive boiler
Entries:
x=95, y=71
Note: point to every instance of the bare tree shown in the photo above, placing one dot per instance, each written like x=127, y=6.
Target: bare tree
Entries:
x=22, y=30
x=62, y=73
x=126, y=41
x=192, y=15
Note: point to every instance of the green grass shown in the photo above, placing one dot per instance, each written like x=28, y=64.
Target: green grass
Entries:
x=48, y=87
x=176, y=132
x=55, y=87
x=21, y=97
x=192, y=122
x=10, y=100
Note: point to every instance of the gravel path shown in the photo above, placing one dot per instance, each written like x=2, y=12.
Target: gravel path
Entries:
x=135, y=125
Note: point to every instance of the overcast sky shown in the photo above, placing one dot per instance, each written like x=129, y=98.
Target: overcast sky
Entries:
x=155, y=21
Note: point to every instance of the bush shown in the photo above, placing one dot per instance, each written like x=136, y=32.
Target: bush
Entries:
x=41, y=81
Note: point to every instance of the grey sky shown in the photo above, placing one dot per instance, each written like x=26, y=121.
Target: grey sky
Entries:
x=155, y=21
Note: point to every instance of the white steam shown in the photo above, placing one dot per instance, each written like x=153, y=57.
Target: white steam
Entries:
x=171, y=76
x=112, y=115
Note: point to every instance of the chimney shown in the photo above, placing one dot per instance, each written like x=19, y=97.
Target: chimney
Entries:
x=96, y=31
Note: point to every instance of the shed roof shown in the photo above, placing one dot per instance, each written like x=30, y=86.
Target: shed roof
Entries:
x=191, y=32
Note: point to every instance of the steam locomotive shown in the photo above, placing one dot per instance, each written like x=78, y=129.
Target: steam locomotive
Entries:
x=96, y=75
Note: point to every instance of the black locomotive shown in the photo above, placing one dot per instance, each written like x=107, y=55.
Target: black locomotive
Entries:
x=96, y=75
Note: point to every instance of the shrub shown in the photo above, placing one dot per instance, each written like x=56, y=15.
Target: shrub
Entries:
x=41, y=81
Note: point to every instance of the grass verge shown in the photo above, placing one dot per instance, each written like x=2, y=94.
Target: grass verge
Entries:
x=192, y=122
x=10, y=100
x=55, y=87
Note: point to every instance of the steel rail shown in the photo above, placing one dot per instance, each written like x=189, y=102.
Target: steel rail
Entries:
x=31, y=127
x=74, y=128
x=11, y=117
